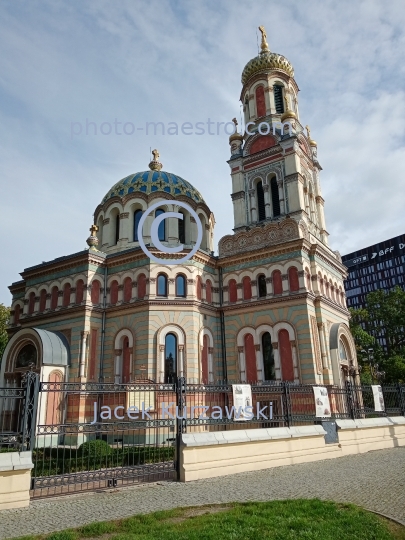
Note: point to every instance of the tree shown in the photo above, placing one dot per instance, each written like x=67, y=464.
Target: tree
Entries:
x=4, y=321
x=384, y=316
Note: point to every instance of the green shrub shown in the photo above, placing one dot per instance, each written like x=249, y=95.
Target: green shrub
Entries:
x=95, y=449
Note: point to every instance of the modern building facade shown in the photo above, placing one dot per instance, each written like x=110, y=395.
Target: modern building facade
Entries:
x=270, y=307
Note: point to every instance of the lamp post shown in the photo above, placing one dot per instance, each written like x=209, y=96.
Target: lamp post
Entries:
x=376, y=375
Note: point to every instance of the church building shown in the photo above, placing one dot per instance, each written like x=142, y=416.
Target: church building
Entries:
x=269, y=307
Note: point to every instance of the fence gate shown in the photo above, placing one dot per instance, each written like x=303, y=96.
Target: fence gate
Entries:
x=86, y=440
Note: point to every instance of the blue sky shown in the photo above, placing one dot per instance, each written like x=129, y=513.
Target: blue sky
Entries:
x=138, y=61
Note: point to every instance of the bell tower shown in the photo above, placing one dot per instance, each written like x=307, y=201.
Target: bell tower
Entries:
x=274, y=165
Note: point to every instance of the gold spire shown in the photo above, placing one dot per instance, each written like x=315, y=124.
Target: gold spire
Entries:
x=264, y=45
x=155, y=165
x=235, y=136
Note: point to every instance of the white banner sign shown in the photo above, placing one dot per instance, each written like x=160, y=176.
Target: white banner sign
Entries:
x=242, y=398
x=378, y=398
x=322, y=406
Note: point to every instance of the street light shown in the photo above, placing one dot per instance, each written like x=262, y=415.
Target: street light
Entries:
x=374, y=371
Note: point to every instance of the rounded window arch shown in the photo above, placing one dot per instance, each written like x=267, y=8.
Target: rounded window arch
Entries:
x=293, y=279
x=161, y=285
x=181, y=285
x=141, y=286
x=208, y=291
x=137, y=218
x=275, y=197
x=114, y=292
x=247, y=288
x=42, y=300
x=79, y=291
x=268, y=358
x=31, y=303
x=26, y=357
x=277, y=282
x=170, y=358
x=95, y=292
x=261, y=205
x=198, y=287
x=250, y=358
x=286, y=358
x=162, y=225
x=66, y=295
x=127, y=289
x=261, y=285
x=54, y=297
x=233, y=292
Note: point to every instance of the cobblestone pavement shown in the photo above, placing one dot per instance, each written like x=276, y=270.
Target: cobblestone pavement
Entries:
x=375, y=480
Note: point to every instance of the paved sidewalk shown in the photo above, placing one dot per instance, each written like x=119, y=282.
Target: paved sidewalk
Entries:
x=375, y=480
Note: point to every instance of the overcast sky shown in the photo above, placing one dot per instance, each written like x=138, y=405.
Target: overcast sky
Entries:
x=181, y=61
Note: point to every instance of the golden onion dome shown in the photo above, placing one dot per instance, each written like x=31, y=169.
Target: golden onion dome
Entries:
x=235, y=137
x=264, y=61
x=288, y=114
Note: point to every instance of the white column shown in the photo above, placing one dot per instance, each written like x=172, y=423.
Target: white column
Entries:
x=259, y=369
x=117, y=377
x=162, y=364
x=295, y=361
x=60, y=298
x=36, y=304
x=210, y=364
x=181, y=360
x=239, y=291
x=266, y=190
x=48, y=302
x=242, y=364
x=253, y=205
x=277, y=364
x=83, y=350
x=269, y=286
x=120, y=294
x=281, y=196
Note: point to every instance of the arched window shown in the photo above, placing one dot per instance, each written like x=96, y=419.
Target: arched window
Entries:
x=342, y=351
x=182, y=229
x=180, y=285
x=204, y=360
x=293, y=279
x=17, y=312
x=117, y=228
x=208, y=291
x=275, y=199
x=162, y=225
x=261, y=284
x=79, y=291
x=268, y=358
x=198, y=287
x=277, y=282
x=233, y=293
x=260, y=201
x=260, y=101
x=54, y=297
x=161, y=285
x=286, y=359
x=141, y=286
x=126, y=361
x=170, y=358
x=278, y=98
x=31, y=303
x=250, y=358
x=114, y=292
x=95, y=292
x=27, y=355
x=42, y=300
x=127, y=289
x=247, y=288
x=66, y=295
x=137, y=219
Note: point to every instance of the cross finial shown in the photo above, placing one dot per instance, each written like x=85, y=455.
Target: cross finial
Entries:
x=156, y=154
x=235, y=121
x=308, y=132
x=155, y=165
x=93, y=230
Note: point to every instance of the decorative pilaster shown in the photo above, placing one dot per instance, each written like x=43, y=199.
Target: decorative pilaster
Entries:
x=83, y=350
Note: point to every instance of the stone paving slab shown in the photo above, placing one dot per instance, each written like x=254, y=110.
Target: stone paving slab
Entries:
x=375, y=481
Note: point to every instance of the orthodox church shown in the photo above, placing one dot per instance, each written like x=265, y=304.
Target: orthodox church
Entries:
x=269, y=307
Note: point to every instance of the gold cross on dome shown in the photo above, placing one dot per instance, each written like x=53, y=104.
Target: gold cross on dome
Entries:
x=156, y=154
x=93, y=230
x=308, y=132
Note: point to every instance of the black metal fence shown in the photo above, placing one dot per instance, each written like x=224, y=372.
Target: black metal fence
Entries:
x=88, y=436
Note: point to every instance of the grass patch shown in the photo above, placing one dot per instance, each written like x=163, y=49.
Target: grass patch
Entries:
x=276, y=520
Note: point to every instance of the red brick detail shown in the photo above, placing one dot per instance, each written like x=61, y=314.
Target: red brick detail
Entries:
x=250, y=359
x=42, y=300
x=127, y=289
x=54, y=297
x=95, y=292
x=141, y=286
x=79, y=291
x=262, y=161
x=235, y=169
x=66, y=295
x=198, y=287
x=287, y=368
x=277, y=282
x=114, y=292
x=31, y=303
x=247, y=288
x=262, y=143
x=293, y=279
x=233, y=293
x=260, y=102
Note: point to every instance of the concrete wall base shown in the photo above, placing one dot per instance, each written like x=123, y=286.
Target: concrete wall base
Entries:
x=15, y=479
x=208, y=455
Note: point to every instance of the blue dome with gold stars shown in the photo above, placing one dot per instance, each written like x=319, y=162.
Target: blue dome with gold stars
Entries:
x=151, y=182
